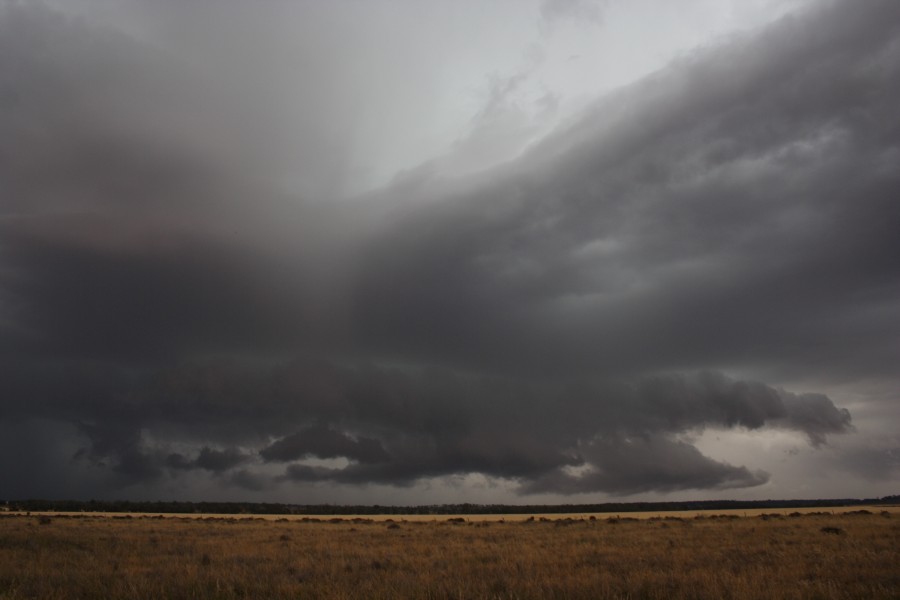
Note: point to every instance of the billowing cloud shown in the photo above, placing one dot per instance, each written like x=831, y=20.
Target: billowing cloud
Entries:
x=630, y=465
x=422, y=424
x=734, y=209
x=684, y=255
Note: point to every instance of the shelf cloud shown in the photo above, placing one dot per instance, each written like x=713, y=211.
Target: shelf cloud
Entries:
x=187, y=293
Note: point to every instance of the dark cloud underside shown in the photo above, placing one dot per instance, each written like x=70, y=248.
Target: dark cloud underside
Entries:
x=395, y=426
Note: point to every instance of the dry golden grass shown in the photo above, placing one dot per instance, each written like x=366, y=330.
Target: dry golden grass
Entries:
x=676, y=557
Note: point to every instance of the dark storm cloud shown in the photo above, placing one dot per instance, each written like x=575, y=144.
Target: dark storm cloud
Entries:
x=121, y=450
x=398, y=426
x=562, y=321
x=324, y=443
x=736, y=208
x=133, y=223
x=250, y=481
x=209, y=459
x=632, y=465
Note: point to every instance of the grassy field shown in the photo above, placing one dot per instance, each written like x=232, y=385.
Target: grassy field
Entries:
x=843, y=555
x=740, y=512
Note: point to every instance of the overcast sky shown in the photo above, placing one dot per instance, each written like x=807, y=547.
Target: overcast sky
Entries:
x=400, y=252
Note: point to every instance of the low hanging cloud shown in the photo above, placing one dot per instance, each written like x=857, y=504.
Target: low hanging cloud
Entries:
x=209, y=459
x=398, y=427
x=633, y=465
x=565, y=320
x=324, y=443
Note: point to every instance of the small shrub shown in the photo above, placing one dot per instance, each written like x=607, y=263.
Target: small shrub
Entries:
x=833, y=530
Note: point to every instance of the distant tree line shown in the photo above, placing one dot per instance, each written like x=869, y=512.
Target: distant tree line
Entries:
x=267, y=508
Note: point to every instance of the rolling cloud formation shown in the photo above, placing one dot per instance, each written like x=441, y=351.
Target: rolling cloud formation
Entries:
x=567, y=320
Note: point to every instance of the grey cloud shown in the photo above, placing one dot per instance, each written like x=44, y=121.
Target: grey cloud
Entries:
x=558, y=321
x=179, y=461
x=816, y=415
x=306, y=473
x=408, y=425
x=638, y=464
x=323, y=442
x=583, y=10
x=122, y=451
x=36, y=460
x=134, y=220
x=877, y=460
x=249, y=480
x=736, y=208
x=678, y=400
x=706, y=217
x=101, y=121
x=219, y=460
x=126, y=452
x=209, y=459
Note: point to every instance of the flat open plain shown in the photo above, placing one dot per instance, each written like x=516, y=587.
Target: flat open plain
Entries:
x=812, y=554
x=740, y=512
